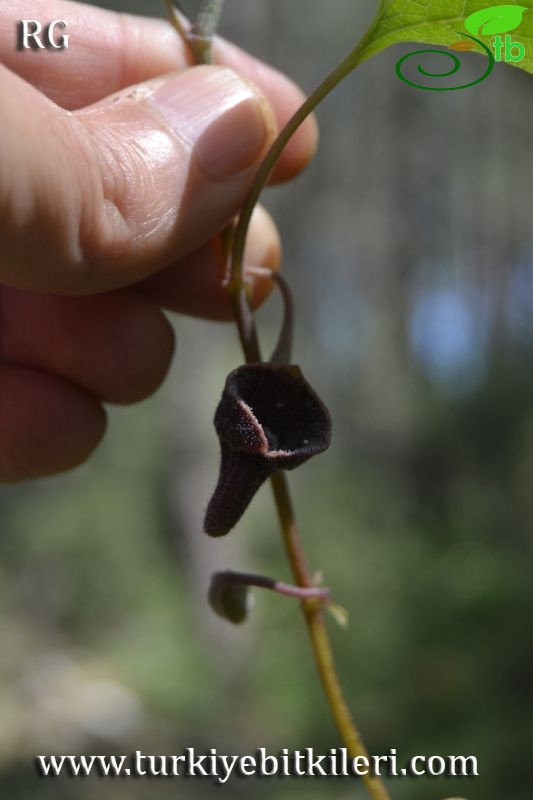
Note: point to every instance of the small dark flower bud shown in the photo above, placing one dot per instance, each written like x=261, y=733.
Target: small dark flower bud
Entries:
x=269, y=418
x=231, y=601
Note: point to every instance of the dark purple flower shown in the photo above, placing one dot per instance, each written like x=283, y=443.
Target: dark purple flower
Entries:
x=269, y=418
x=228, y=599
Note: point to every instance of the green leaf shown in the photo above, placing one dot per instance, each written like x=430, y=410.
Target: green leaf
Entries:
x=437, y=22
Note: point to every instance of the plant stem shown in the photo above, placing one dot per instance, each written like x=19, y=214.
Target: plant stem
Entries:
x=346, y=66
x=312, y=608
x=316, y=624
x=241, y=310
x=208, y=17
x=175, y=19
x=282, y=353
x=201, y=33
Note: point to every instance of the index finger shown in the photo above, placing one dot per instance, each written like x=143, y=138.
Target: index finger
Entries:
x=109, y=51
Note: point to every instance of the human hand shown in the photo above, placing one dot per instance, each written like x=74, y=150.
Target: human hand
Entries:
x=112, y=199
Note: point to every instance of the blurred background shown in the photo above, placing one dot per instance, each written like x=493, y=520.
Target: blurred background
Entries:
x=409, y=246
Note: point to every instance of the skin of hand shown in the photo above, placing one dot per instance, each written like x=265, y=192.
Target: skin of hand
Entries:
x=119, y=166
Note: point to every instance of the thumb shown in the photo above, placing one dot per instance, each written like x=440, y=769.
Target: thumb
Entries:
x=103, y=197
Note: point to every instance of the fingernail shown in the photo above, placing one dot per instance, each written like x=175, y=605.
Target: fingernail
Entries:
x=225, y=122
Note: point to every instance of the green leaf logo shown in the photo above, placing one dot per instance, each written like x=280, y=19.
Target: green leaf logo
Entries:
x=497, y=19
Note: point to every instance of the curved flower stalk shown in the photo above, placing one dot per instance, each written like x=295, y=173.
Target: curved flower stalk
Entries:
x=230, y=598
